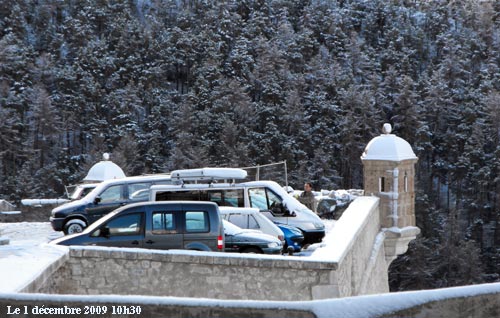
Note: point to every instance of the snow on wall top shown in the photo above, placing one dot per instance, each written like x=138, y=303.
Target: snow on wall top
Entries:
x=388, y=147
x=104, y=170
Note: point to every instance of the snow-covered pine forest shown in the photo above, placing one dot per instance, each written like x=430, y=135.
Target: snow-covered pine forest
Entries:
x=180, y=84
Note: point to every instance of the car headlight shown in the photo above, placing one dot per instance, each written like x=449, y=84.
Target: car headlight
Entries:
x=319, y=226
x=273, y=244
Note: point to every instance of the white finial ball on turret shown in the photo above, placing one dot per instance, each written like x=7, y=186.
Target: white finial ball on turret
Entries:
x=387, y=129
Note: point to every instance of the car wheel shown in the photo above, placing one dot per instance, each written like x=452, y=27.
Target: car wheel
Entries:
x=74, y=226
x=252, y=250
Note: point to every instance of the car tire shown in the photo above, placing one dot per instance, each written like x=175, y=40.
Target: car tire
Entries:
x=252, y=250
x=74, y=226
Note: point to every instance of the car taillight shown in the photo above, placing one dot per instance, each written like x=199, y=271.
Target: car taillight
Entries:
x=220, y=242
x=281, y=237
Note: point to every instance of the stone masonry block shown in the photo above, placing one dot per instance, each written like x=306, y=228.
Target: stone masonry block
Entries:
x=96, y=253
x=75, y=252
x=222, y=260
x=161, y=257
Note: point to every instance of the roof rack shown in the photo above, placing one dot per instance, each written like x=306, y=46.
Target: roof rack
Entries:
x=208, y=174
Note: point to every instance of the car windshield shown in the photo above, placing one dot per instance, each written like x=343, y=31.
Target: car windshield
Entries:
x=99, y=222
x=81, y=191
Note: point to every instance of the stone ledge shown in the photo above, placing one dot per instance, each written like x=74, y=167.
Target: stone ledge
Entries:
x=45, y=275
x=397, y=240
x=206, y=258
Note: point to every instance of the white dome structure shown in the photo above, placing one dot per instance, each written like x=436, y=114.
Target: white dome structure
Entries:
x=388, y=147
x=104, y=170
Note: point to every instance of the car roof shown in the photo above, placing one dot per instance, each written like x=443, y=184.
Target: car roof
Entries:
x=214, y=186
x=237, y=210
x=166, y=203
x=147, y=177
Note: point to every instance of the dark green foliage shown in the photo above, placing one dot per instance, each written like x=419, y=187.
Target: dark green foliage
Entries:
x=164, y=85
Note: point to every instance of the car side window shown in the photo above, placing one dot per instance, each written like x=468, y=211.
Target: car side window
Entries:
x=234, y=198
x=266, y=200
x=112, y=194
x=215, y=196
x=138, y=191
x=128, y=224
x=258, y=198
x=252, y=223
x=163, y=223
x=182, y=195
x=197, y=222
x=239, y=220
x=273, y=199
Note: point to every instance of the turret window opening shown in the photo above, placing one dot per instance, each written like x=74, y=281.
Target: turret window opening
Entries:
x=381, y=184
x=406, y=182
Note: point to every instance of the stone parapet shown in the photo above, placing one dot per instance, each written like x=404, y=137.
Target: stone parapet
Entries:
x=100, y=270
x=478, y=301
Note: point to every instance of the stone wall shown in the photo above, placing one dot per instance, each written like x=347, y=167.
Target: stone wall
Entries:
x=91, y=271
x=29, y=214
x=30, y=305
x=362, y=268
x=476, y=306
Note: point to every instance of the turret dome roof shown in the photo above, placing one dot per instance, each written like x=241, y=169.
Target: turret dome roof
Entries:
x=104, y=170
x=388, y=147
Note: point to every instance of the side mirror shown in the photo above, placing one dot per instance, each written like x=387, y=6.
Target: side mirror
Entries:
x=105, y=231
x=286, y=212
x=97, y=200
x=278, y=209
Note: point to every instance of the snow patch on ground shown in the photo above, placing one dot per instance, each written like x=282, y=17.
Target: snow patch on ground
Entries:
x=29, y=232
x=27, y=255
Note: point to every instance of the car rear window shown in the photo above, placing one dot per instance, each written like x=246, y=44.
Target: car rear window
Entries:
x=197, y=222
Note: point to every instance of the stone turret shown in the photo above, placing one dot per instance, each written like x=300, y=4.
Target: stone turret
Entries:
x=389, y=173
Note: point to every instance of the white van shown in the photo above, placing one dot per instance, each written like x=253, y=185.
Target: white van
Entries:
x=251, y=218
x=268, y=196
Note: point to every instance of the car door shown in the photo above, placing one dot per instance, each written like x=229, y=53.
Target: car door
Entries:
x=163, y=228
x=196, y=226
x=124, y=230
x=109, y=199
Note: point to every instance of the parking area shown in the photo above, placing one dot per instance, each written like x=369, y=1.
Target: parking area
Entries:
x=30, y=234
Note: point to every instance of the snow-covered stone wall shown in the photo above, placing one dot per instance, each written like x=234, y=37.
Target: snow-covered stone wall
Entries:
x=97, y=270
x=356, y=246
x=478, y=301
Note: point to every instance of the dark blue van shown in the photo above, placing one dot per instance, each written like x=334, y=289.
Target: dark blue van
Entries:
x=74, y=216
